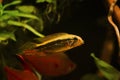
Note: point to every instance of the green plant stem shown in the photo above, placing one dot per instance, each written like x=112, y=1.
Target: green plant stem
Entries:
x=115, y=27
x=16, y=23
x=15, y=2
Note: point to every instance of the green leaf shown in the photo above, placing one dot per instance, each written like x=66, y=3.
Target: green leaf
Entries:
x=3, y=24
x=36, y=24
x=18, y=14
x=1, y=10
x=4, y=35
x=11, y=12
x=5, y=17
x=26, y=8
x=107, y=70
x=40, y=1
x=20, y=24
x=1, y=6
x=15, y=2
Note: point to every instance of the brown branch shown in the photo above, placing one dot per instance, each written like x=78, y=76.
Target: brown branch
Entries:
x=113, y=32
x=116, y=11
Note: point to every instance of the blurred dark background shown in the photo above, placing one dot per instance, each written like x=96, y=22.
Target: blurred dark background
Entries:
x=88, y=19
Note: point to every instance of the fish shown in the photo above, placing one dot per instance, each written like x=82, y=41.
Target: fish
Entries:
x=59, y=42
x=16, y=74
x=54, y=43
x=47, y=55
x=52, y=65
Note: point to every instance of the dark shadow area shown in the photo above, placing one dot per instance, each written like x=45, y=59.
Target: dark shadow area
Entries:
x=83, y=20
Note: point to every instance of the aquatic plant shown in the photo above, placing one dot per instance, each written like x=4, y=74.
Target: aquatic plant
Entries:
x=15, y=17
x=18, y=20
x=106, y=69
